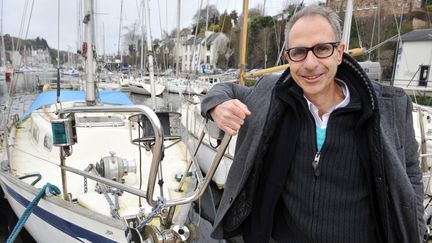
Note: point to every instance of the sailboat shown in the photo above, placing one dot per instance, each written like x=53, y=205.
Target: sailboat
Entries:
x=141, y=84
x=75, y=166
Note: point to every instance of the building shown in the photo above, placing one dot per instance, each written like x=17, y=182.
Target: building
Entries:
x=168, y=48
x=368, y=8
x=201, y=54
x=414, y=59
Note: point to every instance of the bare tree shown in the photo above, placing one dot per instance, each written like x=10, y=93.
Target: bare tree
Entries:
x=200, y=16
x=131, y=42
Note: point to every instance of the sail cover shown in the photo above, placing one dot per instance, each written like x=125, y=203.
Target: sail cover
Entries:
x=50, y=97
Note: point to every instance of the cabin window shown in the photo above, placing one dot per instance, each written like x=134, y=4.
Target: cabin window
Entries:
x=35, y=133
x=99, y=121
x=48, y=142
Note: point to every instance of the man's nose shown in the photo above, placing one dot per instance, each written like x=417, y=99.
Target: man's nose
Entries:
x=311, y=60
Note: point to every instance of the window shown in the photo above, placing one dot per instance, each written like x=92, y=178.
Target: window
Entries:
x=208, y=47
x=207, y=59
x=48, y=142
x=35, y=133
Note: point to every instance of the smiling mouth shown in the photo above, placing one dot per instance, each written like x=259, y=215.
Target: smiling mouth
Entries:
x=313, y=77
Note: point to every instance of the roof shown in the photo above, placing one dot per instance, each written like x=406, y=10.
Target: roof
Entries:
x=199, y=40
x=50, y=97
x=418, y=35
x=212, y=38
x=190, y=41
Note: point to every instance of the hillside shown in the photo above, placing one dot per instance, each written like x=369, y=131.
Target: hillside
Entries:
x=11, y=43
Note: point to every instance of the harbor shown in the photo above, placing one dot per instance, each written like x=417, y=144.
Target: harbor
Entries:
x=104, y=141
x=25, y=90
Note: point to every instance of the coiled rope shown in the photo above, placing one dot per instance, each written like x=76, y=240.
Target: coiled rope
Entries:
x=47, y=190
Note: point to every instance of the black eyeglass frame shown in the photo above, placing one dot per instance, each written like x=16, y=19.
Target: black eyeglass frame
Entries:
x=334, y=44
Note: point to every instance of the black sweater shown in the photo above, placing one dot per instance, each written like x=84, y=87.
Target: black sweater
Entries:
x=331, y=207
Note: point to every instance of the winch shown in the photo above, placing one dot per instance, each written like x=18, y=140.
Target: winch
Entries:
x=114, y=167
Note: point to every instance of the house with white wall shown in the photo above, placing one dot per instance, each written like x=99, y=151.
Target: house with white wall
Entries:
x=414, y=60
x=201, y=54
x=190, y=53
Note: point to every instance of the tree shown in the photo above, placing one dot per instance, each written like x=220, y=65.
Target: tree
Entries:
x=131, y=41
x=200, y=17
x=183, y=32
x=213, y=15
x=254, y=13
x=234, y=16
x=261, y=22
x=225, y=22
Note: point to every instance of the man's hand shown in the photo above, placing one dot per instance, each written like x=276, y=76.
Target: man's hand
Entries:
x=230, y=115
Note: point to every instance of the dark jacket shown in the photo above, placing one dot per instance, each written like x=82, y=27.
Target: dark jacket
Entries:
x=395, y=176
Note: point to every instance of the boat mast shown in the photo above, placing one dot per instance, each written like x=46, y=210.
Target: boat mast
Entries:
x=142, y=43
x=150, y=54
x=120, y=26
x=243, y=41
x=178, y=39
x=3, y=50
x=347, y=24
x=88, y=21
x=58, y=51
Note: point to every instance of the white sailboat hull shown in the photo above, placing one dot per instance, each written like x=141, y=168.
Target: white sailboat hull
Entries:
x=145, y=89
x=54, y=220
x=183, y=90
x=87, y=218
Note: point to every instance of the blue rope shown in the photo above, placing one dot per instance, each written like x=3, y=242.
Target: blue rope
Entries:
x=38, y=175
x=47, y=190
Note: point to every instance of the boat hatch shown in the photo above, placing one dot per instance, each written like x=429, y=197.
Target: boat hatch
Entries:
x=99, y=121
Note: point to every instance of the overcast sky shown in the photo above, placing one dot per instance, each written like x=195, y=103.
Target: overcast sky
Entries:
x=45, y=14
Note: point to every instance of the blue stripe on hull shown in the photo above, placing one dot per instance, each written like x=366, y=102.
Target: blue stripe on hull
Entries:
x=66, y=227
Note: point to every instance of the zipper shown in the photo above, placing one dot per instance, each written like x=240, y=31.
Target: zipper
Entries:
x=315, y=164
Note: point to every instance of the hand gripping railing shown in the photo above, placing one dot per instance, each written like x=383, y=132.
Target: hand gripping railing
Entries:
x=157, y=152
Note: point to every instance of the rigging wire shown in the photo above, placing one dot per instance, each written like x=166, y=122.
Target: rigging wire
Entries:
x=373, y=32
x=284, y=43
x=160, y=27
x=195, y=36
x=29, y=20
x=23, y=19
x=358, y=32
x=205, y=37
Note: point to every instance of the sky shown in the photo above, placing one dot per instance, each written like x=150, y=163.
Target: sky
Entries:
x=44, y=18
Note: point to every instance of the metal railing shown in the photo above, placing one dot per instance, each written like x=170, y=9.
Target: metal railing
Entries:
x=157, y=150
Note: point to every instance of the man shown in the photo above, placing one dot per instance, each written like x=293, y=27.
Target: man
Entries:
x=323, y=154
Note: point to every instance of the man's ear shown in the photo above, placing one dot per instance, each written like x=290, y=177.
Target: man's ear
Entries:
x=286, y=56
x=340, y=50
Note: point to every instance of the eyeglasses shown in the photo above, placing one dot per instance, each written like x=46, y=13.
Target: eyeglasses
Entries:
x=320, y=50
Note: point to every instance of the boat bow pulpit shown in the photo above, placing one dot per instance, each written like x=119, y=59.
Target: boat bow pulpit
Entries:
x=154, y=129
